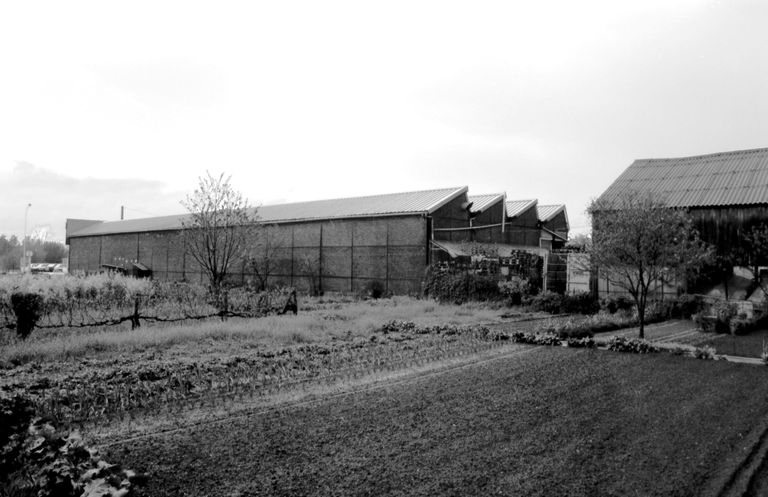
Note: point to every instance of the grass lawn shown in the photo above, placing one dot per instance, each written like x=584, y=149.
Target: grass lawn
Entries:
x=750, y=345
x=318, y=321
x=544, y=421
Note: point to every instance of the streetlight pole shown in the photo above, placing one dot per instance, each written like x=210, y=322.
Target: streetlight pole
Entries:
x=24, y=241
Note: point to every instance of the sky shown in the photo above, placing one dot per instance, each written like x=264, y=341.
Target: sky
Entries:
x=110, y=104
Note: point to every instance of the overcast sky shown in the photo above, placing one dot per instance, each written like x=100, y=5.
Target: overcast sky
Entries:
x=104, y=104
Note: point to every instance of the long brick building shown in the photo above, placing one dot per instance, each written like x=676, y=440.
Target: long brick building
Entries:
x=337, y=245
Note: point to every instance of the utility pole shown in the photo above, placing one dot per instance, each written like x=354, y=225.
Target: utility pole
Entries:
x=24, y=241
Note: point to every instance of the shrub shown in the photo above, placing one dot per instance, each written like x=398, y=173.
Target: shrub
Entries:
x=579, y=303
x=459, y=287
x=28, y=308
x=554, y=303
x=546, y=301
x=741, y=326
x=536, y=338
x=585, y=342
x=615, y=303
x=706, y=352
x=724, y=311
x=515, y=289
x=633, y=345
x=36, y=459
x=375, y=289
x=687, y=305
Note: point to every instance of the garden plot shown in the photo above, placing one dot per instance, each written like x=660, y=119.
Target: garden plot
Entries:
x=552, y=421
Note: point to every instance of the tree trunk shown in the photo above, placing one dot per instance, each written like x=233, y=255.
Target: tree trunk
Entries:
x=641, y=316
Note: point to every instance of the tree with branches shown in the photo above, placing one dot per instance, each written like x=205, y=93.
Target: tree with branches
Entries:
x=637, y=241
x=218, y=227
x=265, y=254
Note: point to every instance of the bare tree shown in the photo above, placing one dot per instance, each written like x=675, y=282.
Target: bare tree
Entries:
x=219, y=225
x=264, y=256
x=638, y=241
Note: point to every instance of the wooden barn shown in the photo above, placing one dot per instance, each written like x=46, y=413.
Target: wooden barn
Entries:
x=726, y=193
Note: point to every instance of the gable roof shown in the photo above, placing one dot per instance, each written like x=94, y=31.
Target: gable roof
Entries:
x=547, y=213
x=727, y=178
x=392, y=204
x=482, y=202
x=517, y=207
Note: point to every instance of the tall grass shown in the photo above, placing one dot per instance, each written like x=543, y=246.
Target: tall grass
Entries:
x=343, y=321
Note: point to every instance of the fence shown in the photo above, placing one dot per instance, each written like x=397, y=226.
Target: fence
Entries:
x=114, y=304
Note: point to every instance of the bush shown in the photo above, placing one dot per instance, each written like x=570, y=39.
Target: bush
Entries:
x=554, y=303
x=375, y=289
x=633, y=345
x=28, y=308
x=615, y=303
x=536, y=338
x=585, y=342
x=459, y=287
x=515, y=289
x=579, y=303
x=706, y=352
x=546, y=301
x=36, y=459
x=741, y=326
x=687, y=305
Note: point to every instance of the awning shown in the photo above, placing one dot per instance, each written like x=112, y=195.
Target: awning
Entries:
x=469, y=249
x=453, y=249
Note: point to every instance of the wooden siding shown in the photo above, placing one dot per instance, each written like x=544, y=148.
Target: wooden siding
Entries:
x=724, y=227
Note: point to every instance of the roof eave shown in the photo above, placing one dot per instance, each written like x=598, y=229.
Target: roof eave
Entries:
x=459, y=191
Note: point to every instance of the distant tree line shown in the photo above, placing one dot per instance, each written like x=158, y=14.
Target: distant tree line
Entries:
x=42, y=251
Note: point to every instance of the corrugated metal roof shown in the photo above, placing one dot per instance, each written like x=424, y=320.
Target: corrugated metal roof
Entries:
x=482, y=202
x=517, y=207
x=420, y=202
x=547, y=212
x=726, y=178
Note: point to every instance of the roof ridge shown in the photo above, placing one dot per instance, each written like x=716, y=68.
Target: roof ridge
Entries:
x=714, y=154
x=487, y=195
x=432, y=190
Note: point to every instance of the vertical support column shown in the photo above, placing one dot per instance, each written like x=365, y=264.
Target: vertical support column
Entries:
x=167, y=256
x=352, y=260
x=386, y=261
x=183, y=237
x=320, y=262
x=293, y=243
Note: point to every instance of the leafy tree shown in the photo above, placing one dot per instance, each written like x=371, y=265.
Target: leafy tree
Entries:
x=54, y=252
x=10, y=253
x=753, y=250
x=218, y=227
x=581, y=243
x=637, y=240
